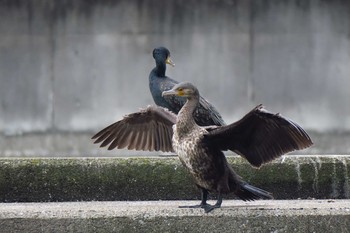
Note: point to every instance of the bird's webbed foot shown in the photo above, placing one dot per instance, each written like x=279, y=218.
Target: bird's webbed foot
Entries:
x=207, y=207
x=204, y=205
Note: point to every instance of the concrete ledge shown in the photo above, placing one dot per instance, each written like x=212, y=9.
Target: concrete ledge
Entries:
x=79, y=144
x=165, y=216
x=111, y=179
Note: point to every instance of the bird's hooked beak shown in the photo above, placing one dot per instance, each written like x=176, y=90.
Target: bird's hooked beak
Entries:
x=173, y=92
x=169, y=61
x=170, y=92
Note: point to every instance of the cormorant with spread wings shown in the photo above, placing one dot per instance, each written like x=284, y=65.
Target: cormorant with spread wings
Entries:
x=260, y=136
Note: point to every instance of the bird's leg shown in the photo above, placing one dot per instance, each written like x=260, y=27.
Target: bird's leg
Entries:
x=204, y=197
x=218, y=202
x=207, y=208
x=203, y=202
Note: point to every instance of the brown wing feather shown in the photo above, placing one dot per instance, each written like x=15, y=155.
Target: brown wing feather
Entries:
x=149, y=129
x=260, y=136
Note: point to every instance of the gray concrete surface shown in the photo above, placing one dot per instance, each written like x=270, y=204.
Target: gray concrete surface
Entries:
x=132, y=179
x=76, y=66
x=77, y=144
x=165, y=216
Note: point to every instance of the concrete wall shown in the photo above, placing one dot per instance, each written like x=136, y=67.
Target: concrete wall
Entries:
x=78, y=65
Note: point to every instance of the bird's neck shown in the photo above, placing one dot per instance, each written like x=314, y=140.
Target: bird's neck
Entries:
x=185, y=120
x=160, y=69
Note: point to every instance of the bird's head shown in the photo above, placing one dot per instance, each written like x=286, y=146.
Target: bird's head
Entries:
x=184, y=89
x=162, y=54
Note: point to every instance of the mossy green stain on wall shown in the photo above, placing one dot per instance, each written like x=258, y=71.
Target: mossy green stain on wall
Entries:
x=67, y=179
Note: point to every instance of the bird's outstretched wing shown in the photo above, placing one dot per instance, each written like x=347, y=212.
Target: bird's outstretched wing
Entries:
x=149, y=129
x=260, y=136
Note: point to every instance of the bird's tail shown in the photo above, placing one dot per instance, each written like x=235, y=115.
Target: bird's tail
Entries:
x=248, y=192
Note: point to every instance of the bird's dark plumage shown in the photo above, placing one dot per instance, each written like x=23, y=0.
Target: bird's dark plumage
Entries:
x=251, y=136
x=260, y=136
x=205, y=114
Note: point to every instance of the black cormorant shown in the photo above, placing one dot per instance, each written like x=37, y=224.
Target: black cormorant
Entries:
x=204, y=115
x=260, y=136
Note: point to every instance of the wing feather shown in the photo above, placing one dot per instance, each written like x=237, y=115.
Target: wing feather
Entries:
x=260, y=136
x=149, y=129
x=103, y=134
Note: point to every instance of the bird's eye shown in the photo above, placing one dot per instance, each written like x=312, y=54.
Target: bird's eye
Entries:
x=180, y=89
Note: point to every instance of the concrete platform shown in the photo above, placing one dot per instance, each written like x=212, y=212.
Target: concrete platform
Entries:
x=165, y=216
